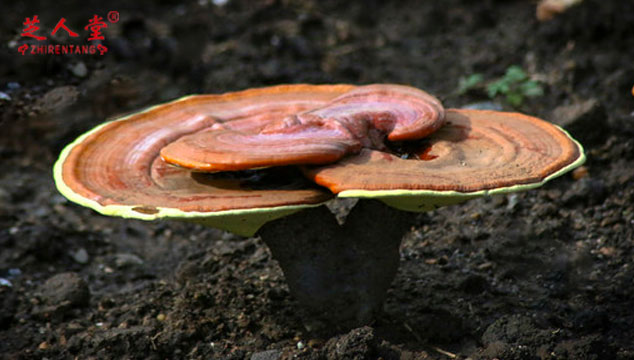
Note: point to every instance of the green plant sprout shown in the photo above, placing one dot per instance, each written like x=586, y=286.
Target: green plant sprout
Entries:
x=468, y=83
x=515, y=86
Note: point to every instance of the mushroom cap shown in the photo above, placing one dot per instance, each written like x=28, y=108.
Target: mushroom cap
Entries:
x=476, y=153
x=116, y=169
x=359, y=118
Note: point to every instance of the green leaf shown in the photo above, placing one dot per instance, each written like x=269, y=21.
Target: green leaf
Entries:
x=497, y=87
x=515, y=74
x=531, y=88
x=515, y=86
x=515, y=99
x=468, y=83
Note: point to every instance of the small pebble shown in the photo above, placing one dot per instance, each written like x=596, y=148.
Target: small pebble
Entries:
x=266, y=355
x=13, y=272
x=125, y=260
x=485, y=266
x=161, y=317
x=513, y=201
x=580, y=172
x=81, y=256
x=79, y=69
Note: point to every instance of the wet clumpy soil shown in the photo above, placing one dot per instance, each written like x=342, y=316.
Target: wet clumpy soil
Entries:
x=546, y=274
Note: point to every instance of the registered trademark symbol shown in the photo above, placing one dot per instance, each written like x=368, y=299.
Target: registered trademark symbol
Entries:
x=113, y=16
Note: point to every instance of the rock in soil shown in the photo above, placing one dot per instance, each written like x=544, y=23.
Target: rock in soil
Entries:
x=61, y=293
x=587, y=120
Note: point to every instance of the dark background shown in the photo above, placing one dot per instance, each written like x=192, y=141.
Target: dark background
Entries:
x=545, y=274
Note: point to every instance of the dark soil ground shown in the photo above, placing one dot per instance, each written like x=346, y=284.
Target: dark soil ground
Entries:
x=546, y=274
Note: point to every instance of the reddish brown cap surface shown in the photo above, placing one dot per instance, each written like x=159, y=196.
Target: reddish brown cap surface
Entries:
x=118, y=163
x=476, y=150
x=359, y=118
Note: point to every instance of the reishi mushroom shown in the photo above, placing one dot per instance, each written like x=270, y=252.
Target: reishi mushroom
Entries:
x=391, y=143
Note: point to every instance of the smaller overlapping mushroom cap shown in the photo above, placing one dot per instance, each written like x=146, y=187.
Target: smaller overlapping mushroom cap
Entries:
x=476, y=153
x=359, y=118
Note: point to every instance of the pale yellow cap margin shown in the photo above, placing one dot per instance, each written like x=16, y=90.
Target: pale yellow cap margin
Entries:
x=246, y=222
x=425, y=200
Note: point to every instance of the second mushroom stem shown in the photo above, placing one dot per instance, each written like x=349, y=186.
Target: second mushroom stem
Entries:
x=339, y=274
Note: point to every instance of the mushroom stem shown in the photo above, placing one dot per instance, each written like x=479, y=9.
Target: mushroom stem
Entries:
x=339, y=274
